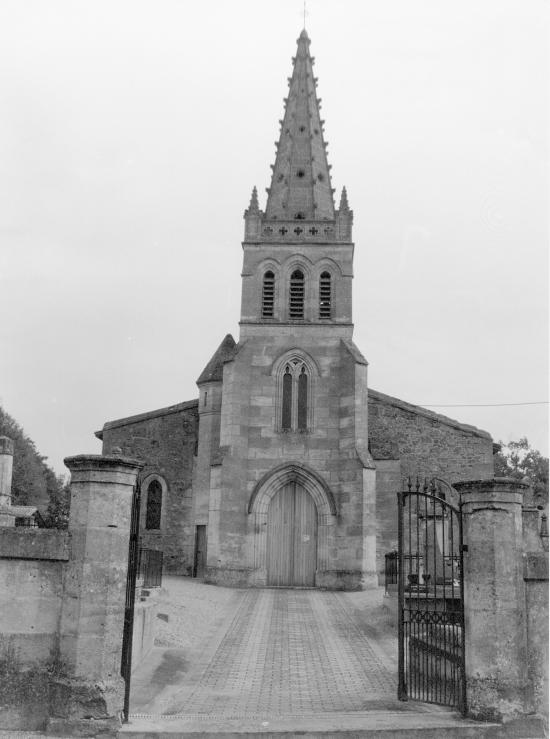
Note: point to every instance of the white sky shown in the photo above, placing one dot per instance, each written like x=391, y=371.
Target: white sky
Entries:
x=132, y=132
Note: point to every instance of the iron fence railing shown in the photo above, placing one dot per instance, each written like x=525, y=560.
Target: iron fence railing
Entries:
x=415, y=577
x=431, y=663
x=150, y=567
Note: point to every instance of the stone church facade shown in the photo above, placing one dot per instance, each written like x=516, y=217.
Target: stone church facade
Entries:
x=284, y=471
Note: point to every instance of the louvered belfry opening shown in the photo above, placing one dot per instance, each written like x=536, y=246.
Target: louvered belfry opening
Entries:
x=297, y=292
x=325, y=296
x=268, y=295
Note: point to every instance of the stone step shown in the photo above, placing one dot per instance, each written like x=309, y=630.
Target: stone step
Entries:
x=433, y=723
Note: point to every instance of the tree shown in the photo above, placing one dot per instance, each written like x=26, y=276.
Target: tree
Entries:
x=57, y=514
x=519, y=460
x=33, y=481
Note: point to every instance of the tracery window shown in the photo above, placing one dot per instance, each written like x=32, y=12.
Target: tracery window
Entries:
x=302, y=399
x=154, y=505
x=325, y=295
x=286, y=419
x=296, y=294
x=268, y=295
x=295, y=402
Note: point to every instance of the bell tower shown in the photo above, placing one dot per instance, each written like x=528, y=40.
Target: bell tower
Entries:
x=289, y=478
x=298, y=254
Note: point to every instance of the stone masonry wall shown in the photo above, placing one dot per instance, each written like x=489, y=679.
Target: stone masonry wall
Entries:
x=166, y=441
x=31, y=583
x=253, y=447
x=406, y=440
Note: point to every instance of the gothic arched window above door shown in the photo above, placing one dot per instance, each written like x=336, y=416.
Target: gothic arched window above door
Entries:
x=294, y=407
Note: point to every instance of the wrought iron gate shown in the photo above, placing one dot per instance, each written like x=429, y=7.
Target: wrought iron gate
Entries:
x=133, y=561
x=431, y=595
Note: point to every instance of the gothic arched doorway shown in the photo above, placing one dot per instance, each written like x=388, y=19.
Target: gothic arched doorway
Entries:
x=291, y=537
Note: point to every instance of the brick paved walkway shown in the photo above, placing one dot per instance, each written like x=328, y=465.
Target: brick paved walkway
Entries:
x=278, y=652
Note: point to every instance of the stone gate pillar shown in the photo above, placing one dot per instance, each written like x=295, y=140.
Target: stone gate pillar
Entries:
x=494, y=598
x=89, y=691
x=6, y=469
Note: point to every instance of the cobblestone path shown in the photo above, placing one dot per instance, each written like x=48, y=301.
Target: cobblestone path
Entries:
x=286, y=652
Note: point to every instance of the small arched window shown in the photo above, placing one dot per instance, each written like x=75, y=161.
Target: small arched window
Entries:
x=325, y=295
x=154, y=505
x=297, y=293
x=268, y=295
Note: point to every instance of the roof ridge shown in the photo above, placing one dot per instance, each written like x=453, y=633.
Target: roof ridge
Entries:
x=138, y=417
x=405, y=405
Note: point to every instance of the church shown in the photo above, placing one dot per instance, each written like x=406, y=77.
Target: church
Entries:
x=284, y=471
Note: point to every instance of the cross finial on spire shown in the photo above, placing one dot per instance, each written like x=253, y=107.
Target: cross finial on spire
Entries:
x=305, y=13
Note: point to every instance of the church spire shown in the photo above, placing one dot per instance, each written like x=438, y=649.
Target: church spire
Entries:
x=300, y=185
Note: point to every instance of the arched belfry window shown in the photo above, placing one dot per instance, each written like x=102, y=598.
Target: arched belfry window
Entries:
x=154, y=505
x=296, y=294
x=325, y=295
x=294, y=410
x=268, y=295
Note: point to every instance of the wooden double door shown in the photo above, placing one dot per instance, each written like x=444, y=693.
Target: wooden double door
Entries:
x=291, y=537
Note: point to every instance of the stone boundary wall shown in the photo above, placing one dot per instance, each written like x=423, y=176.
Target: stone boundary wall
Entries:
x=62, y=608
x=44, y=544
x=31, y=583
x=535, y=577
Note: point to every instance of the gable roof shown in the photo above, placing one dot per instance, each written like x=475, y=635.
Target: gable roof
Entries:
x=138, y=418
x=376, y=396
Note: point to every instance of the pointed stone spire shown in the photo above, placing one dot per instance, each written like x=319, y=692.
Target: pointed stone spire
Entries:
x=344, y=205
x=253, y=208
x=253, y=217
x=300, y=185
x=344, y=218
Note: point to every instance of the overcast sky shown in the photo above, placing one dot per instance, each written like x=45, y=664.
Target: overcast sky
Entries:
x=132, y=132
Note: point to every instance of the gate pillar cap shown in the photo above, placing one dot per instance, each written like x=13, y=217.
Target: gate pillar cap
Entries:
x=101, y=461
x=504, y=484
x=96, y=468
x=504, y=488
